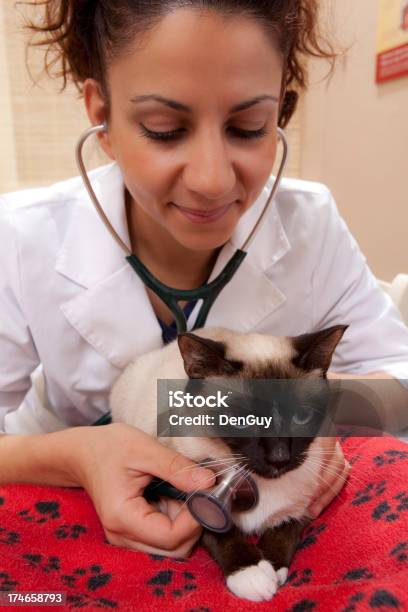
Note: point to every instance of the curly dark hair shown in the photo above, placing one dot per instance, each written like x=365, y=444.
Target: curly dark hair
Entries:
x=82, y=36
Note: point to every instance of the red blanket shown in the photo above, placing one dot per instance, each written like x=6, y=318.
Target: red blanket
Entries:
x=354, y=557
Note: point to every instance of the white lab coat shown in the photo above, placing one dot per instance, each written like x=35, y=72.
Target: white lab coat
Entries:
x=71, y=302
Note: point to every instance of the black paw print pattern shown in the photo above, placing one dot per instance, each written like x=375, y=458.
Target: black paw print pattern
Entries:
x=384, y=511
x=310, y=535
x=92, y=575
x=70, y=531
x=369, y=492
x=306, y=605
x=379, y=600
x=359, y=573
x=354, y=459
x=353, y=600
x=44, y=511
x=298, y=578
x=47, y=564
x=83, y=600
x=168, y=582
x=87, y=580
x=400, y=551
x=155, y=557
x=384, y=599
x=7, y=583
x=8, y=537
x=390, y=456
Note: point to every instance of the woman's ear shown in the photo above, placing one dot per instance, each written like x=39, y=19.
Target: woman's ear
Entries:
x=95, y=104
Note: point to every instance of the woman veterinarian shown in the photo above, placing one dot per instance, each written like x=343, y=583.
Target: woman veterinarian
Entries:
x=192, y=93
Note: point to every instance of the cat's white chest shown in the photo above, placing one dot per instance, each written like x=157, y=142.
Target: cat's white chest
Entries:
x=279, y=499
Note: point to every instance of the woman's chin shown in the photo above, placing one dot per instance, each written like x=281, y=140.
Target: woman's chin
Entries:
x=203, y=243
x=200, y=238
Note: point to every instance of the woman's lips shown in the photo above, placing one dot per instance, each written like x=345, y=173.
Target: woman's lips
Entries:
x=203, y=216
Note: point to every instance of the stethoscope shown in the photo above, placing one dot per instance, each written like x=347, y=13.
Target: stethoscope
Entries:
x=235, y=490
x=212, y=508
x=208, y=292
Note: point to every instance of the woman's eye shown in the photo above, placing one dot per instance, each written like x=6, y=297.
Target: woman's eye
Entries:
x=176, y=134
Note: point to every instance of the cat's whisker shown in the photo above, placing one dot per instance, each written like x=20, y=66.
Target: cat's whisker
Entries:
x=219, y=473
x=204, y=463
x=339, y=476
x=238, y=467
x=330, y=470
x=316, y=451
x=322, y=451
x=317, y=474
x=244, y=473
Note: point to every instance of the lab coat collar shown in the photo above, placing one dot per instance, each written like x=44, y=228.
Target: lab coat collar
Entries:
x=113, y=312
x=89, y=253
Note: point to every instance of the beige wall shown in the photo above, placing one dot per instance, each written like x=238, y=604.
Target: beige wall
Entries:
x=355, y=139
x=8, y=161
x=38, y=126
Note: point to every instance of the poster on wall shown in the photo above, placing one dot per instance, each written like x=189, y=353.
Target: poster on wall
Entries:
x=392, y=47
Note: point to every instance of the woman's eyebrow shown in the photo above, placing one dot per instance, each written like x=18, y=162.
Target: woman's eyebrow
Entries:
x=183, y=107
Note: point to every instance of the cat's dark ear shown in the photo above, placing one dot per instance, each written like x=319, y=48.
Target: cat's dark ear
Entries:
x=315, y=351
x=204, y=357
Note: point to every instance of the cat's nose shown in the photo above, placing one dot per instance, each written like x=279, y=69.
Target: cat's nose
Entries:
x=279, y=455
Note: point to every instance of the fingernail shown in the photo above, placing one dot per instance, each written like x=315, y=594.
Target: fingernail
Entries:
x=202, y=476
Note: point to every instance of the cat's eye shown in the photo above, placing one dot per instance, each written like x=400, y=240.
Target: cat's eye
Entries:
x=302, y=417
x=245, y=426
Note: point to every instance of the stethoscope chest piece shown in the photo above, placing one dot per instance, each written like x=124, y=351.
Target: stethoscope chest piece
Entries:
x=234, y=491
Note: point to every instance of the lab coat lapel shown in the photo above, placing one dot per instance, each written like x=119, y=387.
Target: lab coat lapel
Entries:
x=248, y=298
x=251, y=295
x=112, y=311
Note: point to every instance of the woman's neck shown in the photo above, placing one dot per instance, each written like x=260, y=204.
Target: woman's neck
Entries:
x=172, y=263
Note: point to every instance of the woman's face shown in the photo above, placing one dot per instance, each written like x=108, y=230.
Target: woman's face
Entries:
x=214, y=159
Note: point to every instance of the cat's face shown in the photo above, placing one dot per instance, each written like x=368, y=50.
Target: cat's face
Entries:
x=289, y=360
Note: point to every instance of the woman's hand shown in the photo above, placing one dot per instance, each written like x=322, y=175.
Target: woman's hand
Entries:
x=114, y=463
x=332, y=469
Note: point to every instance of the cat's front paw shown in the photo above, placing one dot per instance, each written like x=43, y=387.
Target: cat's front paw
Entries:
x=256, y=582
x=282, y=574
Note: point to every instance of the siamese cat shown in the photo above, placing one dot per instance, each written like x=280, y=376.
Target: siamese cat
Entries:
x=285, y=469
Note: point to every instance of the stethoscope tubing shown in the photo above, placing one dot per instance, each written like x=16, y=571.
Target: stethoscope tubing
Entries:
x=171, y=296
x=84, y=174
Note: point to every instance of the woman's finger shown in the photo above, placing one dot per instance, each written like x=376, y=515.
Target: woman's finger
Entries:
x=140, y=521
x=172, y=466
x=181, y=552
x=332, y=485
x=171, y=508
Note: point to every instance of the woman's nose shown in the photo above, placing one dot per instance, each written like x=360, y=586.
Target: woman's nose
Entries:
x=209, y=171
